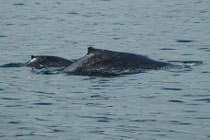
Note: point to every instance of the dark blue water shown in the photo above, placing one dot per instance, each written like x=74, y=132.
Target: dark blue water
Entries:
x=157, y=104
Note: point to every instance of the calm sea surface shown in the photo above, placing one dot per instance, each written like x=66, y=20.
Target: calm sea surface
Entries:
x=171, y=104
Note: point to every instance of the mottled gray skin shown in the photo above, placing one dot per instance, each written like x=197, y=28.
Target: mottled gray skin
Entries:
x=109, y=62
x=39, y=62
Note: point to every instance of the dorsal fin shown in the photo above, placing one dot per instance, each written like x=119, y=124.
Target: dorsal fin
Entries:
x=32, y=56
x=91, y=50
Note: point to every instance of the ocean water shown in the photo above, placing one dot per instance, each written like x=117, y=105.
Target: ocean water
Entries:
x=155, y=105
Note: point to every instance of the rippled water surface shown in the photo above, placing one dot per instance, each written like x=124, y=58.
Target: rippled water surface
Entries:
x=157, y=104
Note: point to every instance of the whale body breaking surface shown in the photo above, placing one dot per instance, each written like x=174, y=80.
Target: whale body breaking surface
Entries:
x=40, y=61
x=98, y=61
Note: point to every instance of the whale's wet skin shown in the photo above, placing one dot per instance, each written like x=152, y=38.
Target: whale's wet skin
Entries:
x=48, y=61
x=101, y=62
x=42, y=61
x=96, y=62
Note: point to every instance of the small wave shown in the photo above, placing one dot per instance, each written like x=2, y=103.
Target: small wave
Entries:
x=204, y=99
x=10, y=65
x=174, y=89
x=19, y=4
x=184, y=41
x=3, y=36
x=176, y=101
x=186, y=63
x=42, y=103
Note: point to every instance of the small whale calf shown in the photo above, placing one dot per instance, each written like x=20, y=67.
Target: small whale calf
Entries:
x=40, y=62
x=99, y=62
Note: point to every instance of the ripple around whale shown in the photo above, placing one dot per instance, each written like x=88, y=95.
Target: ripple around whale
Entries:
x=99, y=62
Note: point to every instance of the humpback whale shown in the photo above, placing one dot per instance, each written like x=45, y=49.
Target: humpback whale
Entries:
x=101, y=62
x=98, y=61
x=40, y=61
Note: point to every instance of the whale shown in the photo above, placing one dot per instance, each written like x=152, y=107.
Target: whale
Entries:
x=43, y=61
x=99, y=61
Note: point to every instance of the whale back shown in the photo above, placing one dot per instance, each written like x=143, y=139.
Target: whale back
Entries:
x=40, y=61
x=105, y=61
